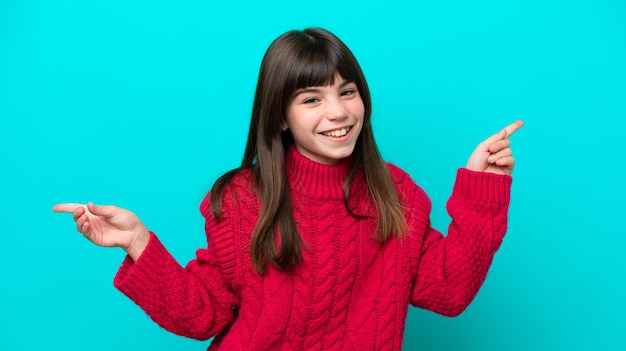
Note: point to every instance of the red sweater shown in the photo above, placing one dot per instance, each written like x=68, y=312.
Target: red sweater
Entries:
x=350, y=292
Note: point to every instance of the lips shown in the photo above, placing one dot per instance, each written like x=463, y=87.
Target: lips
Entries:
x=337, y=133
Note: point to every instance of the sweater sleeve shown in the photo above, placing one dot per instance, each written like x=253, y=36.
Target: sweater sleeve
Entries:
x=449, y=270
x=194, y=301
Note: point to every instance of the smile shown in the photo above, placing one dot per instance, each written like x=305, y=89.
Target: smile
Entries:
x=337, y=133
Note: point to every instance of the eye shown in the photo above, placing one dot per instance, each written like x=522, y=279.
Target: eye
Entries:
x=348, y=92
x=311, y=100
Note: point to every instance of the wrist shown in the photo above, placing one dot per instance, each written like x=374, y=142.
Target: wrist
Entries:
x=138, y=244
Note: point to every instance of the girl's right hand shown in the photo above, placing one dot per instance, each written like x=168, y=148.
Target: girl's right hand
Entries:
x=109, y=226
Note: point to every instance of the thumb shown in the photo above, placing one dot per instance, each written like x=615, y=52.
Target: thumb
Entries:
x=103, y=211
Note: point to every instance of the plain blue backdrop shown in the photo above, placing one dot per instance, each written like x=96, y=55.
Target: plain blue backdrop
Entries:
x=143, y=104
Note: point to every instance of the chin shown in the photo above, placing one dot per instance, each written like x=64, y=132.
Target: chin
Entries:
x=343, y=154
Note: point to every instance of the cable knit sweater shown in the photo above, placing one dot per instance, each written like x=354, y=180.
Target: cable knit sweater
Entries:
x=350, y=291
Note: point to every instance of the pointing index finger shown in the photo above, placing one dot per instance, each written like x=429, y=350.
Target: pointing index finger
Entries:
x=511, y=128
x=69, y=208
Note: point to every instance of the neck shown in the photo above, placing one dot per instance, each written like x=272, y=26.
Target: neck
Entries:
x=316, y=180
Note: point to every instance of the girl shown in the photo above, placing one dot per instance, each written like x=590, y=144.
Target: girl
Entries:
x=314, y=243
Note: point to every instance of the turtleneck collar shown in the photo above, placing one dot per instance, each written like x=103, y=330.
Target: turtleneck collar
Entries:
x=316, y=180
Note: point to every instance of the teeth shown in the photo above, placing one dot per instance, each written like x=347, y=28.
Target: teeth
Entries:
x=338, y=132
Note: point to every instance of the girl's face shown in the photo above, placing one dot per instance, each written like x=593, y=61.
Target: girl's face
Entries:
x=326, y=121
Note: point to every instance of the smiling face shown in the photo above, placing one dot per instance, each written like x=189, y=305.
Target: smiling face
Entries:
x=325, y=121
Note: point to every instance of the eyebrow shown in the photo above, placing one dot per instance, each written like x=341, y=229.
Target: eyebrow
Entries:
x=317, y=90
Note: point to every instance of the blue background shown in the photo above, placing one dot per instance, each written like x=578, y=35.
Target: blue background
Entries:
x=144, y=104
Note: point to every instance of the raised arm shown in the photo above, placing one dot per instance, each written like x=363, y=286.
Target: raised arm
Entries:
x=449, y=270
x=194, y=301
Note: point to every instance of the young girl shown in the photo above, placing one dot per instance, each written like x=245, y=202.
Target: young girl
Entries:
x=314, y=243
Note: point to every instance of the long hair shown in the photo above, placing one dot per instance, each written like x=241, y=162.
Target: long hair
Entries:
x=295, y=60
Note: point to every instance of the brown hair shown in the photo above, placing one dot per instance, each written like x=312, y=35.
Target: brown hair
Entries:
x=295, y=60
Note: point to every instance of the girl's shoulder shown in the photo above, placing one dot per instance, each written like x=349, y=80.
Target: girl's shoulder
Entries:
x=242, y=180
x=406, y=186
x=396, y=172
x=238, y=190
x=400, y=177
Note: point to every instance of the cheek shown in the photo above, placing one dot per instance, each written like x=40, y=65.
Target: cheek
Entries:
x=303, y=119
x=359, y=109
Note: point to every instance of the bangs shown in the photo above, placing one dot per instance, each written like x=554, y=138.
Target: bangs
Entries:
x=318, y=64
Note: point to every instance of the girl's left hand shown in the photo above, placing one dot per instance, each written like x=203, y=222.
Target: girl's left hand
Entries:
x=494, y=154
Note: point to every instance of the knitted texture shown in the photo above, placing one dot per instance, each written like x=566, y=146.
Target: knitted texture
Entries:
x=350, y=292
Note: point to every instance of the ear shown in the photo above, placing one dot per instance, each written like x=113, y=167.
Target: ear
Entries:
x=283, y=125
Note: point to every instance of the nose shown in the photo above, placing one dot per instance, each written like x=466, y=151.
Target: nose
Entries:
x=337, y=111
